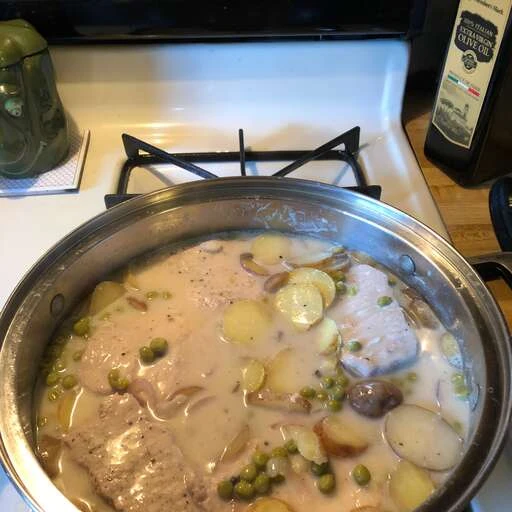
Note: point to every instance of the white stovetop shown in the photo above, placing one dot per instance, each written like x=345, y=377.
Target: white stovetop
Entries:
x=294, y=95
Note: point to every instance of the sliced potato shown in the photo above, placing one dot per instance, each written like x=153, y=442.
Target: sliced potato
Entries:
x=410, y=486
x=65, y=409
x=105, y=294
x=270, y=248
x=269, y=505
x=328, y=337
x=423, y=438
x=339, y=438
x=245, y=321
x=282, y=376
x=308, y=443
x=253, y=376
x=451, y=351
x=316, y=277
x=249, y=265
x=287, y=402
x=300, y=303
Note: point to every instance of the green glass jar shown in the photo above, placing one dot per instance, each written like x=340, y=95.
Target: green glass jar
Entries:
x=33, y=128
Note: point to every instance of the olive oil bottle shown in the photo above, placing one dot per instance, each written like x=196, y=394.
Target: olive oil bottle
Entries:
x=470, y=133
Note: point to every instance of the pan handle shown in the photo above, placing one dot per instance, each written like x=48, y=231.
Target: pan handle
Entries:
x=493, y=266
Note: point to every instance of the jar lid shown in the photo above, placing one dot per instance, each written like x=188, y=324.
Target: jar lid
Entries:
x=18, y=39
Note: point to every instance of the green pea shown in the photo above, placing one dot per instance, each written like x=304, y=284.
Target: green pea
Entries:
x=53, y=395
x=412, y=376
x=77, y=356
x=457, y=378
x=52, y=379
x=278, y=479
x=146, y=354
x=42, y=421
x=361, y=475
x=354, y=346
x=291, y=446
x=327, y=382
x=225, y=490
x=384, y=301
x=338, y=275
x=158, y=346
x=308, y=392
x=319, y=469
x=322, y=396
x=166, y=295
x=342, y=380
x=260, y=459
x=352, y=290
x=113, y=377
x=461, y=390
x=341, y=287
x=82, y=327
x=262, y=484
x=334, y=405
x=59, y=365
x=244, y=490
x=249, y=473
x=326, y=483
x=122, y=384
x=337, y=393
x=279, y=451
x=152, y=295
x=391, y=281
x=69, y=381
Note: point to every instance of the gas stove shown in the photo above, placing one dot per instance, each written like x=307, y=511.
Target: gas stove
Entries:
x=179, y=100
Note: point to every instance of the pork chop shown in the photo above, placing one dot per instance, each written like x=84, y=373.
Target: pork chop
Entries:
x=134, y=463
x=388, y=342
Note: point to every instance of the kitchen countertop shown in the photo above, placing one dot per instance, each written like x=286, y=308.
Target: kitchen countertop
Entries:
x=465, y=211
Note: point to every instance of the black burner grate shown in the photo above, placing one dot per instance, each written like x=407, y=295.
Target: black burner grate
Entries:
x=141, y=153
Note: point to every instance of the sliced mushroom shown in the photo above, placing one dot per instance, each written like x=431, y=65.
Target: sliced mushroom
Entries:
x=374, y=398
x=137, y=304
x=282, y=401
x=166, y=409
x=237, y=444
x=276, y=281
x=338, y=261
x=249, y=265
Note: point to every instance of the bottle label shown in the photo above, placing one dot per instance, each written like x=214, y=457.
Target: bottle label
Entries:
x=475, y=43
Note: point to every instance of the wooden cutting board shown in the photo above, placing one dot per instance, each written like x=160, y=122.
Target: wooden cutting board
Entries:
x=465, y=211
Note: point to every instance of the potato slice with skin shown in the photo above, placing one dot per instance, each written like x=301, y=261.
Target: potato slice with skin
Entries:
x=339, y=438
x=318, y=278
x=308, y=442
x=270, y=248
x=245, y=321
x=423, y=438
x=105, y=294
x=328, y=337
x=269, y=505
x=410, y=486
x=301, y=303
x=253, y=376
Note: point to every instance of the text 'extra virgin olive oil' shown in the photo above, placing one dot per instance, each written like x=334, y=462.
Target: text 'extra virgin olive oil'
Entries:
x=470, y=134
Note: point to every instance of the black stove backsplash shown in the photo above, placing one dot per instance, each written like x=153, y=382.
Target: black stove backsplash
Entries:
x=184, y=20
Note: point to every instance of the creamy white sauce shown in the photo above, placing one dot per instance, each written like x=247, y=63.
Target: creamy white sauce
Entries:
x=201, y=285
